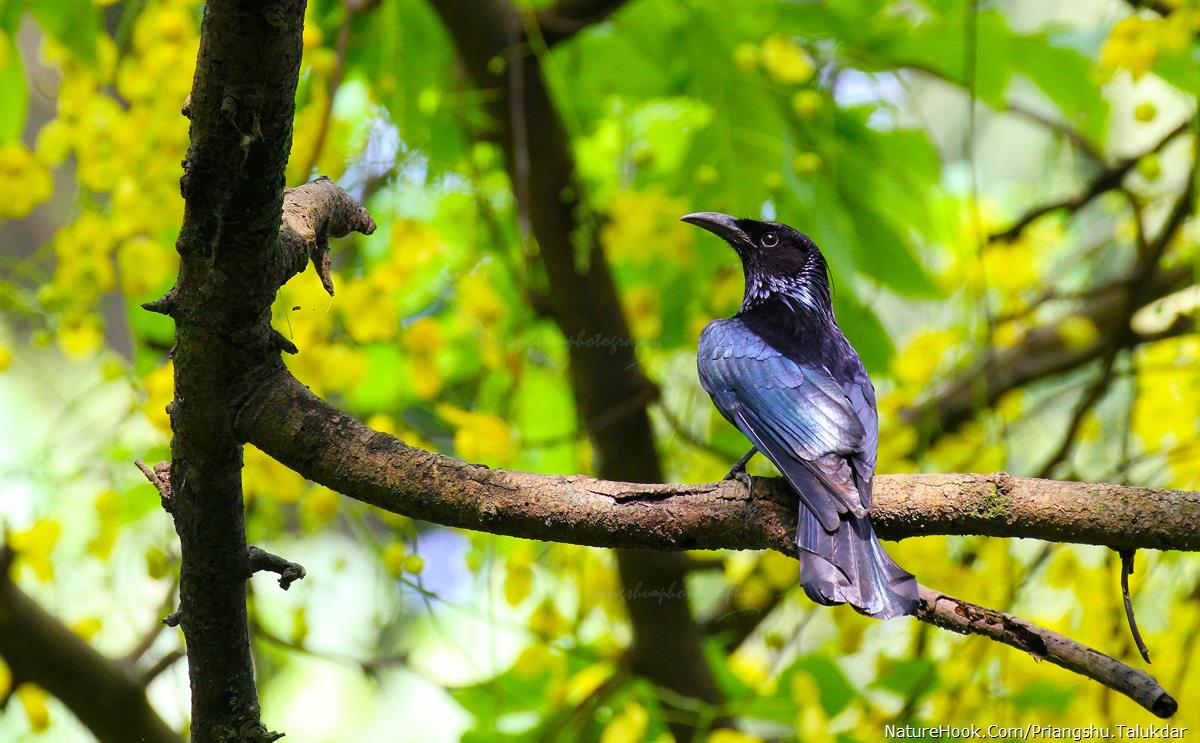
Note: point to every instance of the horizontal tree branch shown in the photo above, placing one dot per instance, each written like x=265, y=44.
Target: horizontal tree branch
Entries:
x=287, y=421
x=284, y=419
x=104, y=694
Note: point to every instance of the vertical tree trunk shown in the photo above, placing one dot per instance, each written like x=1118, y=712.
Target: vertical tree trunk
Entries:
x=242, y=105
x=611, y=392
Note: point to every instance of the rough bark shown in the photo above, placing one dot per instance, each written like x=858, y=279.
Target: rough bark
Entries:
x=610, y=389
x=104, y=694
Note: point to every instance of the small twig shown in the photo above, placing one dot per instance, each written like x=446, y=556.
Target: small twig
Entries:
x=160, y=478
x=172, y=619
x=1091, y=397
x=258, y=560
x=963, y=617
x=143, y=646
x=1126, y=571
x=1106, y=180
x=161, y=665
x=1074, y=135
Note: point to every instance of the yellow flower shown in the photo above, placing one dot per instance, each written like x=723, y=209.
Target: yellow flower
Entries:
x=393, y=559
x=746, y=56
x=424, y=337
x=780, y=571
x=160, y=390
x=80, y=336
x=33, y=698
x=264, y=477
x=642, y=309
x=640, y=219
x=750, y=666
x=87, y=627
x=413, y=564
x=1078, y=332
x=918, y=362
x=6, y=357
x=384, y=423
x=518, y=583
x=547, y=621
x=24, y=181
x=480, y=437
x=807, y=103
x=144, y=265
x=477, y=297
x=35, y=545
x=785, y=61
x=737, y=736
x=319, y=506
x=413, y=246
x=368, y=312
x=806, y=163
x=627, y=727
x=1133, y=45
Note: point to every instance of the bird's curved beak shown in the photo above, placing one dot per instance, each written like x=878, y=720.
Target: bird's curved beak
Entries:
x=721, y=225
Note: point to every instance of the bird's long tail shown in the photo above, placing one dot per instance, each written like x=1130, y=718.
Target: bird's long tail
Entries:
x=849, y=566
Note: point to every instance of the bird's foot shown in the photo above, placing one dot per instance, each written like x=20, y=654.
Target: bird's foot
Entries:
x=738, y=471
x=741, y=475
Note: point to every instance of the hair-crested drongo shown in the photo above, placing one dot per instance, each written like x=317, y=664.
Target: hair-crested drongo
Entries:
x=782, y=372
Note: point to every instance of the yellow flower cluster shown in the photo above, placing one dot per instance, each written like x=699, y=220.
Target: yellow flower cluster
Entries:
x=780, y=57
x=481, y=437
x=120, y=121
x=1134, y=43
x=643, y=227
x=34, y=546
x=25, y=181
x=1167, y=411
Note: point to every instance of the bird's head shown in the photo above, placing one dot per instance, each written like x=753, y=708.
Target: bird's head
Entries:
x=778, y=261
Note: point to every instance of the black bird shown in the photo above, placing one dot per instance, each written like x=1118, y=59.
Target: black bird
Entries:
x=783, y=373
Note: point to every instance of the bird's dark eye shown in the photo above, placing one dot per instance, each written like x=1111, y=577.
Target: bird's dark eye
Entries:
x=769, y=240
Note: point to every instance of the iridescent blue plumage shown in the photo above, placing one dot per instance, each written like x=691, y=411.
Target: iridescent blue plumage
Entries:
x=782, y=372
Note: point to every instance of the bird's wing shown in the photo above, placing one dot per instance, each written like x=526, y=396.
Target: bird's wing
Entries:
x=797, y=415
x=861, y=395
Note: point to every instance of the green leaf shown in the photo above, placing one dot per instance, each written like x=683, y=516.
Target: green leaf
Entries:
x=14, y=93
x=1058, y=71
x=908, y=676
x=1044, y=695
x=836, y=691
x=10, y=16
x=72, y=23
x=865, y=332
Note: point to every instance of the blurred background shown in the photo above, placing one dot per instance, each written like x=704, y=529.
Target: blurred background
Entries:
x=1004, y=191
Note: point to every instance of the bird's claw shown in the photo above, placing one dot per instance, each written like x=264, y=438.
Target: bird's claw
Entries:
x=741, y=475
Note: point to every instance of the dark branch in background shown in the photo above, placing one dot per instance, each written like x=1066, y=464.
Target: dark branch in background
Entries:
x=610, y=388
x=1042, y=352
x=103, y=693
x=1085, y=145
x=566, y=18
x=327, y=446
x=1108, y=179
